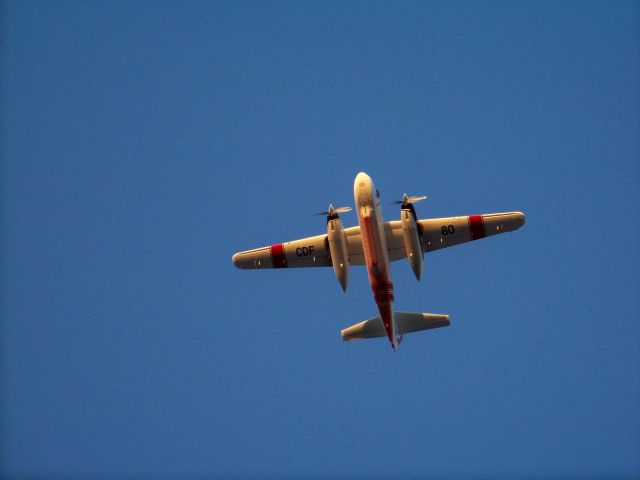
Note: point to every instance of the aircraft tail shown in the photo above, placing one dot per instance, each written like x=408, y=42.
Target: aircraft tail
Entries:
x=406, y=322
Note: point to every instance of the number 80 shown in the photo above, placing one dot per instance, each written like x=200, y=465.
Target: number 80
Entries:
x=446, y=230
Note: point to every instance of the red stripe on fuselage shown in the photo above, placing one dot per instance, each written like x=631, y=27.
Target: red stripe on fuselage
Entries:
x=382, y=292
x=277, y=256
x=369, y=240
x=476, y=226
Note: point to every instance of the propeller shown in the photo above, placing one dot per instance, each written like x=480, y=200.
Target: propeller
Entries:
x=333, y=211
x=405, y=200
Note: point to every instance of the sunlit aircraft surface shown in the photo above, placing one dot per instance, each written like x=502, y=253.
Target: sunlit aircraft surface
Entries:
x=375, y=243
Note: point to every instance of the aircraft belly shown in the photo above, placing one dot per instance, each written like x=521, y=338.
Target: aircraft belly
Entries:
x=377, y=262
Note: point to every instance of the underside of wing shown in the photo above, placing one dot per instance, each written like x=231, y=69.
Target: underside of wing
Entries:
x=445, y=232
x=306, y=252
x=437, y=233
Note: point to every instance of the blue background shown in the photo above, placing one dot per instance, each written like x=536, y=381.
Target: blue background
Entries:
x=143, y=143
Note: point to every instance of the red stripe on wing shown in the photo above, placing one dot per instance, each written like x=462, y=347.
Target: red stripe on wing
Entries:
x=277, y=256
x=476, y=226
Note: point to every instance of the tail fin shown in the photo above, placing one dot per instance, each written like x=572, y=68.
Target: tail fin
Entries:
x=406, y=322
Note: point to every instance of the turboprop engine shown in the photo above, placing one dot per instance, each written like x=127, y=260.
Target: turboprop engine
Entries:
x=338, y=244
x=412, y=233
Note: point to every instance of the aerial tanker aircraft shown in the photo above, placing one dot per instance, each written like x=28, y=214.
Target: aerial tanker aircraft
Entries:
x=375, y=243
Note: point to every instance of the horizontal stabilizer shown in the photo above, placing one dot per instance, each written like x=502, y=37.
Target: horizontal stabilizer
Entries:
x=406, y=322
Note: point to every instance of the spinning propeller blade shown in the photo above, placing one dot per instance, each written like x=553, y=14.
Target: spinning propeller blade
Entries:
x=333, y=211
x=406, y=199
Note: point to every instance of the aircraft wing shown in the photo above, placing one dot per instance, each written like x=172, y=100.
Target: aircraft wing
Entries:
x=306, y=252
x=437, y=233
x=445, y=232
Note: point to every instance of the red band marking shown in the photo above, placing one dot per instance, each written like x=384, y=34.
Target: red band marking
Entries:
x=382, y=298
x=476, y=226
x=277, y=256
x=383, y=292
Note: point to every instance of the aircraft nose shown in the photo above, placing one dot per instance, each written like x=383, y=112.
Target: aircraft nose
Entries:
x=362, y=177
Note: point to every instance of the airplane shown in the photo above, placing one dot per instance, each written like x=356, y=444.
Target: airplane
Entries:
x=375, y=243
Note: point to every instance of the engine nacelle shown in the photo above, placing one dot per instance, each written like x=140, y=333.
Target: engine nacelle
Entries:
x=338, y=249
x=411, y=234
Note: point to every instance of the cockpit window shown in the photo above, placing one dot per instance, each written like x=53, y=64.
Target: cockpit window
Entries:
x=377, y=193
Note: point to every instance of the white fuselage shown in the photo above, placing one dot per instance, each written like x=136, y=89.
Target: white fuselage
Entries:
x=374, y=243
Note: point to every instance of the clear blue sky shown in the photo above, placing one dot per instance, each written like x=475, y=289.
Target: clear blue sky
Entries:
x=143, y=143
